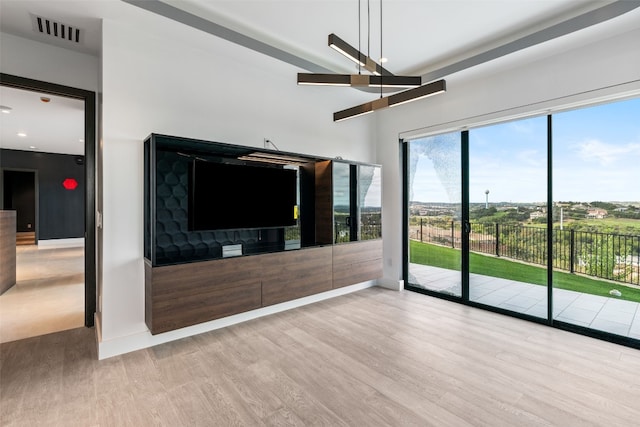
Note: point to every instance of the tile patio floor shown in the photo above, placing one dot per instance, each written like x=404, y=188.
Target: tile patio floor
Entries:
x=612, y=315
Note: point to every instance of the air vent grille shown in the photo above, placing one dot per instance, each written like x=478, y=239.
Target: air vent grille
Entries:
x=56, y=29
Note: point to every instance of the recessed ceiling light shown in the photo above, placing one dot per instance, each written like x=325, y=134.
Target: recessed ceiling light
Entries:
x=33, y=147
x=383, y=60
x=81, y=140
x=5, y=109
x=22, y=134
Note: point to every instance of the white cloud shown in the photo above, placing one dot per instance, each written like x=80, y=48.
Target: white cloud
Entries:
x=594, y=150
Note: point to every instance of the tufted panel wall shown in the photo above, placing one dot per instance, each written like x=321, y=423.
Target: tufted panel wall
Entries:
x=174, y=242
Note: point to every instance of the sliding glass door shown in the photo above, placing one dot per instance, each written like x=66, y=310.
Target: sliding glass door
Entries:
x=539, y=218
x=596, y=190
x=435, y=214
x=508, y=216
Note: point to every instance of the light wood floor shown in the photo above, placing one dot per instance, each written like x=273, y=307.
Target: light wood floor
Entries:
x=48, y=295
x=372, y=358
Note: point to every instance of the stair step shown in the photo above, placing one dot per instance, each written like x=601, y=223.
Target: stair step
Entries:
x=26, y=238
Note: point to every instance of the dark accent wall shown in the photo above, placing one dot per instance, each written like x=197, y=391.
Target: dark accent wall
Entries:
x=175, y=242
x=20, y=196
x=61, y=211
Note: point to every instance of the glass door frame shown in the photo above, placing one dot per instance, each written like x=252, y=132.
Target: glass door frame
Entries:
x=464, y=298
x=465, y=247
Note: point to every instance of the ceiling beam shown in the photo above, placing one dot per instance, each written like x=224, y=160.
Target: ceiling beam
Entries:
x=588, y=19
x=225, y=33
x=602, y=14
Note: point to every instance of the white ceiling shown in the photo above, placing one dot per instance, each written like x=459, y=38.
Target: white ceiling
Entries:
x=56, y=126
x=418, y=36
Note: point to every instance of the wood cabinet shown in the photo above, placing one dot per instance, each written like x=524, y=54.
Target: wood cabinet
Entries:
x=186, y=294
x=7, y=250
x=356, y=262
x=323, y=202
x=183, y=295
x=296, y=274
x=194, y=276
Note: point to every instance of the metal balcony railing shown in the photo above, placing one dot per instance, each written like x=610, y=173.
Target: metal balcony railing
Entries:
x=607, y=256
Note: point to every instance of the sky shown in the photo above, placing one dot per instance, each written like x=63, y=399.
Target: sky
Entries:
x=596, y=156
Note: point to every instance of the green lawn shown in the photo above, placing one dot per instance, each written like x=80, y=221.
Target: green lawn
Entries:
x=440, y=256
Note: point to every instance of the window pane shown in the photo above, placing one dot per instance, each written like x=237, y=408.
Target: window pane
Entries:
x=370, y=203
x=508, y=216
x=342, y=202
x=596, y=189
x=434, y=213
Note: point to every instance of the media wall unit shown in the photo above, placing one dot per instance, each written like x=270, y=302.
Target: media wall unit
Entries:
x=324, y=233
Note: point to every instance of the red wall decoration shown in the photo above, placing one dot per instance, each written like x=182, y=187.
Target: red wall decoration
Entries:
x=70, y=184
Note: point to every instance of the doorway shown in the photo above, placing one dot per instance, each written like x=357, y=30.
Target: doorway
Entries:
x=87, y=168
x=20, y=195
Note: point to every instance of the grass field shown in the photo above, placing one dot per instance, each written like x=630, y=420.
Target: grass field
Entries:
x=439, y=256
x=605, y=225
x=612, y=221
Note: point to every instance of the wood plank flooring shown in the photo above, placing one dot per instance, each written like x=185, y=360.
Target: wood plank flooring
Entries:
x=372, y=358
x=48, y=295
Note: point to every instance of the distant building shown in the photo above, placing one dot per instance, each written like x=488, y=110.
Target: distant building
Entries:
x=596, y=213
x=536, y=215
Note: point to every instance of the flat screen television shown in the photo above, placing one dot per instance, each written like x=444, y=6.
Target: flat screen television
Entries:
x=230, y=196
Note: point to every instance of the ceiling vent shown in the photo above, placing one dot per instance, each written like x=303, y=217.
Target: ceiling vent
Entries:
x=51, y=28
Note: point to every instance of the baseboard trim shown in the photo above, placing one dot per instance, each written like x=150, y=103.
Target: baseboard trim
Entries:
x=142, y=340
x=394, y=285
x=61, y=243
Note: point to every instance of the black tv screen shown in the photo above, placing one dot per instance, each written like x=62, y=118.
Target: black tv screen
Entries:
x=227, y=196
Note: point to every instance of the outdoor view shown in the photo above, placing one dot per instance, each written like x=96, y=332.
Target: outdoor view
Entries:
x=367, y=207
x=365, y=203
x=595, y=182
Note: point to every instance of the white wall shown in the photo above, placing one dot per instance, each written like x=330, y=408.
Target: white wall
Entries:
x=178, y=81
x=39, y=61
x=605, y=69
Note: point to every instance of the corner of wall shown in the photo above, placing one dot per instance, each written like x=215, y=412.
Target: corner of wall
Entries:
x=394, y=285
